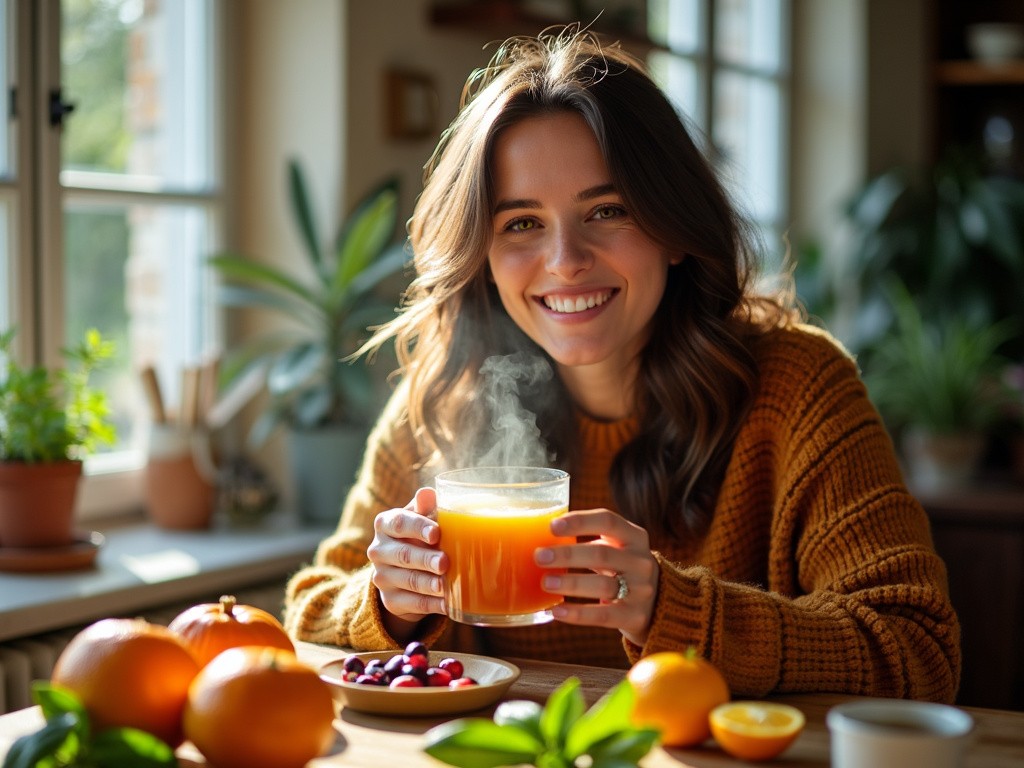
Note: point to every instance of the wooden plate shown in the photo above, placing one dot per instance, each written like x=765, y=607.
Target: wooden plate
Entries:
x=81, y=553
x=494, y=678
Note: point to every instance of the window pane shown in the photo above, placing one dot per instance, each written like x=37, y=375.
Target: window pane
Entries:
x=679, y=77
x=676, y=24
x=749, y=33
x=138, y=274
x=747, y=133
x=6, y=295
x=138, y=73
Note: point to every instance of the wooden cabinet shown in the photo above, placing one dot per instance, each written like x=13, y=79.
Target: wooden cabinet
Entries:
x=980, y=535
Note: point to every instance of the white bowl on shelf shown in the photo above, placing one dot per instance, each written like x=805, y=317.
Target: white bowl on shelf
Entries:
x=995, y=43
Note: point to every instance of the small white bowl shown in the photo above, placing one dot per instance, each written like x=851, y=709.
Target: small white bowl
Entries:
x=995, y=43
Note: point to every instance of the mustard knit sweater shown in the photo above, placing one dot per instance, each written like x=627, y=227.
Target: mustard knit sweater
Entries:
x=817, y=572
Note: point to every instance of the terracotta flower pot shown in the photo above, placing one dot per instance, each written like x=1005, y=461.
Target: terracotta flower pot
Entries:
x=37, y=503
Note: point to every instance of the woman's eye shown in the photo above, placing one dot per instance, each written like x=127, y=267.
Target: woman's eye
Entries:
x=609, y=212
x=520, y=225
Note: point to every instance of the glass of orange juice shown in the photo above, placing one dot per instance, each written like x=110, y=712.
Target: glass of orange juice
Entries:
x=492, y=519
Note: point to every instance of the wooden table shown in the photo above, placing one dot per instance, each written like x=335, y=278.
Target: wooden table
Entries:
x=376, y=742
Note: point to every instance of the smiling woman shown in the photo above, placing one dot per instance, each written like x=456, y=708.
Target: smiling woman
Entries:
x=732, y=488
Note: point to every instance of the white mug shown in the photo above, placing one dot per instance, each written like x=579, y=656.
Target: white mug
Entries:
x=896, y=733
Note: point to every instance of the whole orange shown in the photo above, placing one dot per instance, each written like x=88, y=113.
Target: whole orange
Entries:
x=674, y=692
x=211, y=628
x=259, y=708
x=128, y=672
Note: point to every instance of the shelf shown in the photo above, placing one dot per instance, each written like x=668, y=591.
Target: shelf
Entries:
x=500, y=20
x=970, y=72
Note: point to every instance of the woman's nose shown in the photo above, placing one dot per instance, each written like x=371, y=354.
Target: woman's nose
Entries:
x=569, y=254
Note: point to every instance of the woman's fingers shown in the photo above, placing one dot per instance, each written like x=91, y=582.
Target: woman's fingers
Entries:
x=407, y=566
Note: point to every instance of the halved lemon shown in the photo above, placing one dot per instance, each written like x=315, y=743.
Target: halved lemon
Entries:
x=755, y=730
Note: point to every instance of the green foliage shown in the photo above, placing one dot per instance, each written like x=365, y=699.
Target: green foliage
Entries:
x=67, y=739
x=951, y=233
x=308, y=373
x=944, y=376
x=53, y=414
x=555, y=736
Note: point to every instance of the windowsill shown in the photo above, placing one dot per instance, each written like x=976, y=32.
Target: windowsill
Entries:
x=141, y=566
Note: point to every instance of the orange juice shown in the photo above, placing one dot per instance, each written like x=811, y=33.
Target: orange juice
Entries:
x=492, y=578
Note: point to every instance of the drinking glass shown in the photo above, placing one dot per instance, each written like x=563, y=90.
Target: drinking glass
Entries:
x=492, y=519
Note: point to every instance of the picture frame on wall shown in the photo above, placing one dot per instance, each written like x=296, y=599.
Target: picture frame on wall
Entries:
x=412, y=104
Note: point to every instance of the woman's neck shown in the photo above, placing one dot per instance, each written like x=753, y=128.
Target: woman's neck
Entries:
x=601, y=391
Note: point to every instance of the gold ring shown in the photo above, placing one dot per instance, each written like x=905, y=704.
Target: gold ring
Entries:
x=623, y=592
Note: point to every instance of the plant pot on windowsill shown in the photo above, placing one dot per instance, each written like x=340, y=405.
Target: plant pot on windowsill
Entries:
x=47, y=418
x=937, y=462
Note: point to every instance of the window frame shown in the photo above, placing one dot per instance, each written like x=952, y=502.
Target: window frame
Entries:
x=40, y=191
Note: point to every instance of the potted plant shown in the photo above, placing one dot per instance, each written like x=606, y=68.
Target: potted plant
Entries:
x=952, y=233
x=50, y=418
x=938, y=384
x=314, y=389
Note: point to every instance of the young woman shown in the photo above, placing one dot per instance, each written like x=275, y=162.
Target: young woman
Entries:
x=733, y=489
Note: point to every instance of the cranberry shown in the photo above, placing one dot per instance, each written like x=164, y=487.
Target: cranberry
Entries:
x=374, y=667
x=453, y=667
x=393, y=667
x=369, y=680
x=353, y=664
x=438, y=678
x=416, y=648
x=462, y=682
x=417, y=661
x=406, y=681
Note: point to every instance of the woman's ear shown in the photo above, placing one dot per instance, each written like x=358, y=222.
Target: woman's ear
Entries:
x=675, y=259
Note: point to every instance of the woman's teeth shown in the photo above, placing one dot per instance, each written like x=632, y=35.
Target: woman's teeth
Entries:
x=571, y=304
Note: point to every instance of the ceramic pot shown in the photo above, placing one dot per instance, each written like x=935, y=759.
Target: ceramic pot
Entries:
x=941, y=462
x=37, y=503
x=179, y=481
x=324, y=463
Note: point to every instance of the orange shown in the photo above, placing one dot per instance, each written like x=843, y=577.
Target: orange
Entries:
x=210, y=628
x=755, y=730
x=257, y=707
x=128, y=672
x=674, y=692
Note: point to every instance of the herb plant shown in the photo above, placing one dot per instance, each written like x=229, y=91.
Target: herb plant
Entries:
x=562, y=734
x=68, y=740
x=51, y=414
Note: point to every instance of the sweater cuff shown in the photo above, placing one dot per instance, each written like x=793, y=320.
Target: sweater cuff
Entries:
x=367, y=628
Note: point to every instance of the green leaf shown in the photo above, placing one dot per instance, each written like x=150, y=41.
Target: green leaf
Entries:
x=368, y=230
x=610, y=715
x=54, y=700
x=481, y=743
x=252, y=272
x=33, y=749
x=564, y=707
x=303, y=211
x=624, y=748
x=129, y=748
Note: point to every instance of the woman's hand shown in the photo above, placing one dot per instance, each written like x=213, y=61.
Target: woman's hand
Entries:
x=407, y=566
x=619, y=554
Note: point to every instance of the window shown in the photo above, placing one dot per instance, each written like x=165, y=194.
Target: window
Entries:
x=726, y=65
x=109, y=141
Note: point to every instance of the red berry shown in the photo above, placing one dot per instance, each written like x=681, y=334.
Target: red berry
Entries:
x=352, y=664
x=416, y=648
x=453, y=667
x=368, y=680
x=438, y=678
x=417, y=661
x=406, y=681
x=462, y=682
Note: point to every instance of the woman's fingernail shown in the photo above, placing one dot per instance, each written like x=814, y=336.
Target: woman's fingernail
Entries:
x=552, y=582
x=559, y=526
x=544, y=555
x=435, y=562
x=428, y=532
x=559, y=612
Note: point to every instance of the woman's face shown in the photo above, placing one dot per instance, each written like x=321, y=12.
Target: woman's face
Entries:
x=573, y=268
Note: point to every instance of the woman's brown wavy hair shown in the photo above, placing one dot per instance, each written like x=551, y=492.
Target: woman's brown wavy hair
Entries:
x=698, y=373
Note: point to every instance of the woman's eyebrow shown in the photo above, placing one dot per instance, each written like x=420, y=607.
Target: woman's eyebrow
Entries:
x=508, y=205
x=587, y=194
x=596, y=191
